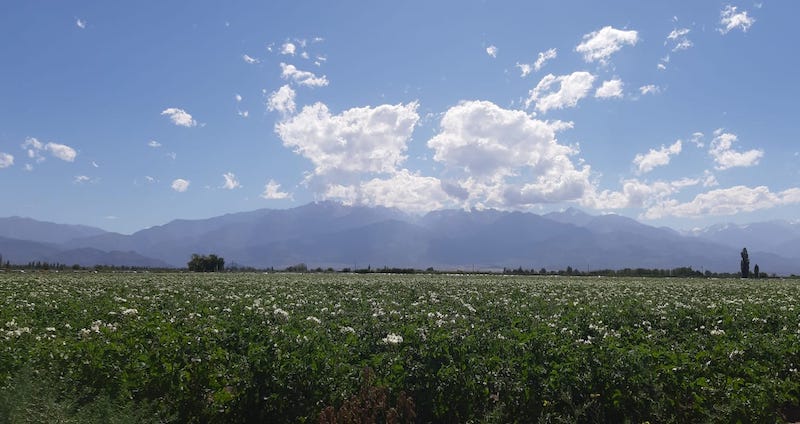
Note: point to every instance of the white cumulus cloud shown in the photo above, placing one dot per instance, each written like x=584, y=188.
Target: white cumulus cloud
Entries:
x=306, y=78
x=554, y=92
x=491, y=51
x=505, y=157
x=731, y=18
x=721, y=150
x=34, y=149
x=230, y=181
x=636, y=194
x=154, y=144
x=179, y=117
x=282, y=100
x=61, y=151
x=272, y=190
x=726, y=201
x=6, y=160
x=288, y=49
x=250, y=60
x=180, y=185
x=403, y=190
x=655, y=158
x=609, y=89
x=598, y=46
x=358, y=140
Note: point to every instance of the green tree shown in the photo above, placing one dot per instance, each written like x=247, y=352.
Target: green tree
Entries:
x=745, y=264
x=755, y=271
x=203, y=263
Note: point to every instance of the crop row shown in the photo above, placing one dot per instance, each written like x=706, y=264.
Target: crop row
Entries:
x=283, y=347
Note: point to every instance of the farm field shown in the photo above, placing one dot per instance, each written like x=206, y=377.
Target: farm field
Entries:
x=425, y=348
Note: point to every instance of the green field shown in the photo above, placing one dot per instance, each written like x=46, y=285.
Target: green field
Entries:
x=440, y=348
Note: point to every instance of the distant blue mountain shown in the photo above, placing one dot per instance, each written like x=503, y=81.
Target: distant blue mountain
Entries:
x=331, y=234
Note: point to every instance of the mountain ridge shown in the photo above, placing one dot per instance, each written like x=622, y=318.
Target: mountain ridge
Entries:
x=337, y=235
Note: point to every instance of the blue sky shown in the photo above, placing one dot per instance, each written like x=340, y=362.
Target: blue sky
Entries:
x=125, y=116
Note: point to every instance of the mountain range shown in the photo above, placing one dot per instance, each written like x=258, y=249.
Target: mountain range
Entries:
x=331, y=234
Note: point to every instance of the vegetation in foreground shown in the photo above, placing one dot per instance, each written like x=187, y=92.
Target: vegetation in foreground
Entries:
x=445, y=348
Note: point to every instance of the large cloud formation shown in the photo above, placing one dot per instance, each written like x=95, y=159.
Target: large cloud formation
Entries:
x=503, y=157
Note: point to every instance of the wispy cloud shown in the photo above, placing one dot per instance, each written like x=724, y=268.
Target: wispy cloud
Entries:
x=249, y=59
x=654, y=158
x=570, y=89
x=649, y=89
x=492, y=51
x=544, y=57
x=272, y=191
x=678, y=39
x=179, y=117
x=230, y=181
x=731, y=18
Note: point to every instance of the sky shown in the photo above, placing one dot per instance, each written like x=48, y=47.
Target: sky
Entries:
x=126, y=115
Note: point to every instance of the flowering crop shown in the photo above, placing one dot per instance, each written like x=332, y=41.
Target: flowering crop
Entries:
x=283, y=347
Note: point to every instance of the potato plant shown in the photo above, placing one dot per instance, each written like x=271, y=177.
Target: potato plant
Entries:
x=296, y=347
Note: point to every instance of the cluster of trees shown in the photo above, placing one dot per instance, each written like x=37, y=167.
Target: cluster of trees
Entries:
x=203, y=263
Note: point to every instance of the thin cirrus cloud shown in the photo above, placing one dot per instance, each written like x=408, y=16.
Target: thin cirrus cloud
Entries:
x=179, y=117
x=649, y=89
x=154, y=144
x=598, y=46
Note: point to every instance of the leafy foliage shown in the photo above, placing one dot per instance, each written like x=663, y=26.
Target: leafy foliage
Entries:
x=210, y=263
x=239, y=348
x=744, y=264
